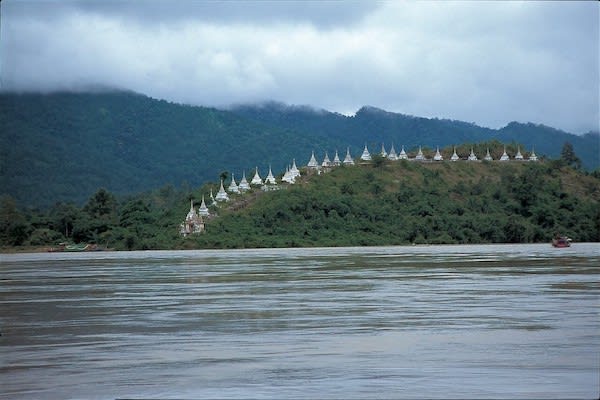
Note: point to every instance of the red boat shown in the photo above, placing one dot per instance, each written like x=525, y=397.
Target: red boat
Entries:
x=561, y=241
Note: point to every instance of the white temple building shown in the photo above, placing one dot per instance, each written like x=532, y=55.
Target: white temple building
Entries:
x=420, y=156
x=193, y=222
x=383, y=152
x=365, y=156
x=392, y=154
x=504, y=156
x=519, y=156
x=222, y=194
x=348, y=159
x=213, y=202
x=233, y=187
x=472, y=156
x=438, y=155
x=294, y=171
x=270, y=179
x=256, y=180
x=326, y=161
x=336, y=160
x=244, y=185
x=532, y=156
x=402, y=155
x=488, y=156
x=312, y=163
x=455, y=156
x=203, y=210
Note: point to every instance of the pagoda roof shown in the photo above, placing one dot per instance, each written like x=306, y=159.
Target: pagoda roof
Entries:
x=402, y=155
x=383, y=152
x=365, y=156
x=438, y=155
x=348, y=159
x=233, y=187
x=336, y=159
x=203, y=210
x=256, y=180
x=326, y=162
x=504, y=156
x=222, y=194
x=270, y=179
x=455, y=156
x=392, y=154
x=472, y=156
x=518, y=156
x=312, y=163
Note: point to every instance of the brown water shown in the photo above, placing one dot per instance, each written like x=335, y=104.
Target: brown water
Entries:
x=389, y=322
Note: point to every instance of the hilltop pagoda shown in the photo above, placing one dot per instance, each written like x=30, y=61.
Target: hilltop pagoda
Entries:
x=504, y=156
x=420, y=156
x=472, y=156
x=336, y=160
x=244, y=186
x=383, y=152
x=256, y=180
x=519, y=156
x=402, y=155
x=455, y=156
x=233, y=187
x=348, y=159
x=192, y=224
x=312, y=163
x=438, y=155
x=222, y=194
x=294, y=171
x=532, y=156
x=488, y=156
x=365, y=156
x=392, y=154
x=203, y=210
x=270, y=179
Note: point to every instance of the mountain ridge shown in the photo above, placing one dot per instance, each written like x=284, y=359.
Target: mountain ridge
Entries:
x=63, y=146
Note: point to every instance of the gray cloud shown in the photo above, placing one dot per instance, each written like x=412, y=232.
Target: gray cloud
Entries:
x=488, y=63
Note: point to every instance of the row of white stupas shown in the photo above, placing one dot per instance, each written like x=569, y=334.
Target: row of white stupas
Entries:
x=194, y=220
x=393, y=156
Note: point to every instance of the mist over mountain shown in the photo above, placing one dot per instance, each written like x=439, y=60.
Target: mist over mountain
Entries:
x=64, y=146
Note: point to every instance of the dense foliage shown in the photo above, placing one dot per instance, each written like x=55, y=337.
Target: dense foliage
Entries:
x=381, y=203
x=64, y=146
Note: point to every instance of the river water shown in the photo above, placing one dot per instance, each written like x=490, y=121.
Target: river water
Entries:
x=490, y=321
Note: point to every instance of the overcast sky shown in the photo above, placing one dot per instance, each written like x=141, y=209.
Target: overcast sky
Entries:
x=483, y=62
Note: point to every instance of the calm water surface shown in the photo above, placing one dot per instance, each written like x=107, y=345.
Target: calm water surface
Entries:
x=493, y=321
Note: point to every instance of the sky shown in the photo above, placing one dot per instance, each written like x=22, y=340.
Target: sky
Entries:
x=483, y=62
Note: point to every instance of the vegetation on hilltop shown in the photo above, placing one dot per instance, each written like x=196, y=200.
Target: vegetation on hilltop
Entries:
x=380, y=203
x=64, y=146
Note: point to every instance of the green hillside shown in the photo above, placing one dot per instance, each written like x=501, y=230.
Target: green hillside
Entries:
x=64, y=146
x=381, y=203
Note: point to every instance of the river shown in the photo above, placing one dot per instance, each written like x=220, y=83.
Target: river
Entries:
x=488, y=321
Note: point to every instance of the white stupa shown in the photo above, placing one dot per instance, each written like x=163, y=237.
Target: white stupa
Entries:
x=392, y=154
x=488, y=156
x=519, y=156
x=326, y=161
x=203, y=210
x=270, y=179
x=504, y=156
x=383, y=152
x=294, y=171
x=336, y=160
x=222, y=194
x=438, y=155
x=455, y=156
x=365, y=156
x=472, y=156
x=420, y=156
x=348, y=159
x=532, y=156
x=244, y=185
x=256, y=180
x=312, y=163
x=233, y=187
x=402, y=155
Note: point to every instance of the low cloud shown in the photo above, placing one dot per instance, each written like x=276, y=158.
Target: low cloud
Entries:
x=488, y=63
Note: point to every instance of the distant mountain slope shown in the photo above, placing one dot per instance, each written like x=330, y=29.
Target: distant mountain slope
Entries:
x=64, y=146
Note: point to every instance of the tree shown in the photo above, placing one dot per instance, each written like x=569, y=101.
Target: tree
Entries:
x=569, y=157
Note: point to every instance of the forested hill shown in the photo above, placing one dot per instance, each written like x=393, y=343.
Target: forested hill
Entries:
x=64, y=146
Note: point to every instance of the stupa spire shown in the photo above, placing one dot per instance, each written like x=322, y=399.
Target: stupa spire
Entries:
x=488, y=156
x=233, y=187
x=336, y=159
x=203, y=210
x=519, y=156
x=270, y=179
x=438, y=155
x=383, y=152
x=366, y=156
x=504, y=156
x=348, y=159
x=392, y=154
x=222, y=194
x=403, y=155
x=472, y=156
x=455, y=156
x=326, y=161
x=420, y=156
x=532, y=156
x=256, y=180
x=312, y=163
